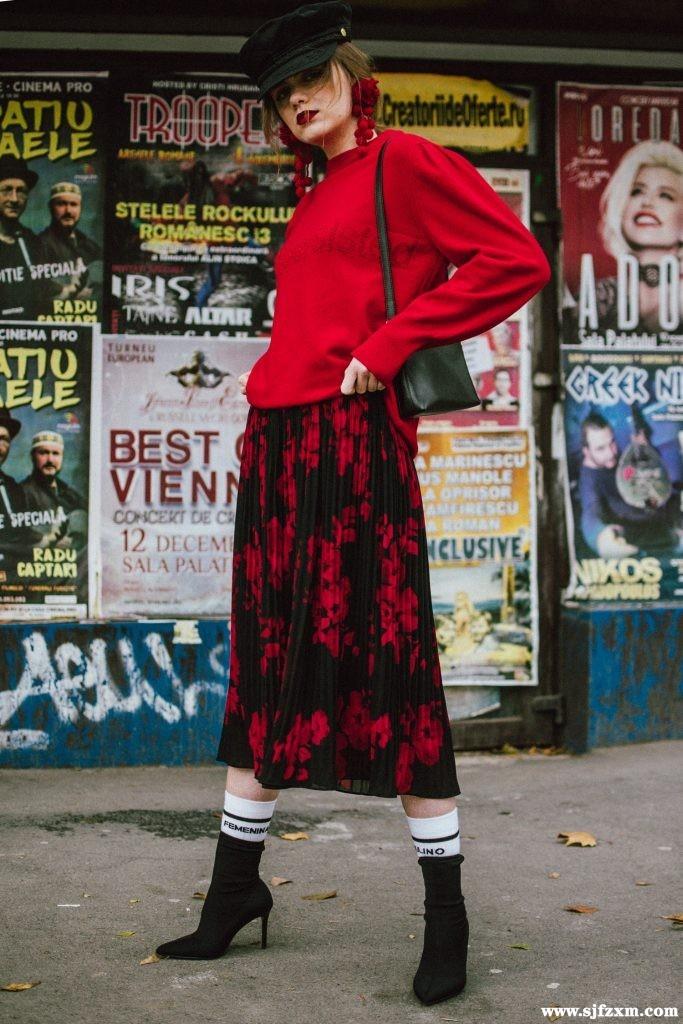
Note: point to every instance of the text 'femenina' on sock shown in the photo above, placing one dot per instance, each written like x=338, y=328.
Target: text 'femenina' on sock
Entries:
x=436, y=837
x=246, y=819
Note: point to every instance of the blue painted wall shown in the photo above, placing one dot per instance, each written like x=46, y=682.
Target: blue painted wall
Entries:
x=114, y=693
x=621, y=674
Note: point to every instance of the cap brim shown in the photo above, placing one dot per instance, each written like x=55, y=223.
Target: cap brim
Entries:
x=307, y=58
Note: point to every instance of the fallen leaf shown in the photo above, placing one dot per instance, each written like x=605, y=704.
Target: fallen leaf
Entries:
x=328, y=895
x=639, y=881
x=553, y=874
x=275, y=880
x=577, y=838
x=153, y=958
x=677, y=919
x=133, y=901
x=411, y=936
x=198, y=895
x=293, y=836
x=85, y=895
x=520, y=945
x=580, y=908
x=216, y=814
x=19, y=986
x=124, y=935
x=508, y=748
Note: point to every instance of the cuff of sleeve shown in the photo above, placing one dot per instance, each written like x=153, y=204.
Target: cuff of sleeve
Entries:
x=381, y=358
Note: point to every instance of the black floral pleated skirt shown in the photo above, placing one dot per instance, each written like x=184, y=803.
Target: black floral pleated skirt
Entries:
x=335, y=680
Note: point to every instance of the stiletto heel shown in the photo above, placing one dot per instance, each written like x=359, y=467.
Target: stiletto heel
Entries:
x=236, y=896
x=264, y=930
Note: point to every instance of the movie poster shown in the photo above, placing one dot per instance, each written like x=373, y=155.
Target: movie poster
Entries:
x=199, y=208
x=477, y=492
x=620, y=183
x=51, y=196
x=45, y=389
x=499, y=360
x=623, y=413
x=173, y=419
x=472, y=114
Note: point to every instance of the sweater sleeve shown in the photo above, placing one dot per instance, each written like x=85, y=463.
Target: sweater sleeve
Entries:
x=500, y=265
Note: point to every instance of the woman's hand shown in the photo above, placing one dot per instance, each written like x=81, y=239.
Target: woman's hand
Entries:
x=358, y=379
x=242, y=381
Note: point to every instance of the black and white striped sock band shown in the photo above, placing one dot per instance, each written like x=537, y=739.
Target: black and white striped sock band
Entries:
x=246, y=819
x=436, y=837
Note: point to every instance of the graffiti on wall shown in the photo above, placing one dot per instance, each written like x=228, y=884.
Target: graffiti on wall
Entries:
x=126, y=685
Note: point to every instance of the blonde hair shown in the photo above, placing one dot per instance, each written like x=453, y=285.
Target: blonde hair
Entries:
x=618, y=188
x=355, y=63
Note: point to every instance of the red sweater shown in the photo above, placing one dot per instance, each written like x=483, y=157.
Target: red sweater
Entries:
x=329, y=303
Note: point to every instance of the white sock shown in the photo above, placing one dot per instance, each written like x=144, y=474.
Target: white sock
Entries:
x=246, y=819
x=438, y=836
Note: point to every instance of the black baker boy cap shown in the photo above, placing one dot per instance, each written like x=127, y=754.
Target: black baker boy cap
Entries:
x=301, y=39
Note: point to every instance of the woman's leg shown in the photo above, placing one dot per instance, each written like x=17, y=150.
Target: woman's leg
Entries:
x=241, y=782
x=237, y=893
x=435, y=831
x=425, y=807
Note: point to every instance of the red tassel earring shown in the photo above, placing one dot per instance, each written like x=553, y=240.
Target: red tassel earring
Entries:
x=364, y=95
x=303, y=155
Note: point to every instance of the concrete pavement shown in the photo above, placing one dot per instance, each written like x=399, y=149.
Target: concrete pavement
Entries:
x=88, y=855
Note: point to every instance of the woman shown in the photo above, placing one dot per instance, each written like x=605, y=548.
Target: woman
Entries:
x=334, y=677
x=641, y=216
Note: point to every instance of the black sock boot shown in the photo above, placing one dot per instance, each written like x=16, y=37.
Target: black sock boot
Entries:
x=236, y=896
x=442, y=970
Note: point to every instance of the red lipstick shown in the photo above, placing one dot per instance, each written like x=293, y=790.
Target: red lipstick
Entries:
x=304, y=116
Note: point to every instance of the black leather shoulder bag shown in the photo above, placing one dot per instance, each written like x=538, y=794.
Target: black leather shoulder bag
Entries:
x=434, y=379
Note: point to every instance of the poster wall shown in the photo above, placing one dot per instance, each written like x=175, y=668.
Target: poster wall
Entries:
x=51, y=196
x=477, y=490
x=620, y=169
x=199, y=207
x=474, y=115
x=173, y=418
x=624, y=440
x=45, y=397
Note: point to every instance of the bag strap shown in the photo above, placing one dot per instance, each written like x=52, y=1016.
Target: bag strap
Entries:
x=389, y=300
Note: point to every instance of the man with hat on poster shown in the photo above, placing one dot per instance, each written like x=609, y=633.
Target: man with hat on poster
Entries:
x=20, y=297
x=14, y=540
x=45, y=492
x=63, y=242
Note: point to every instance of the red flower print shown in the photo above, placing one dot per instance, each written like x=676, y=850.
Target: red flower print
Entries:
x=320, y=727
x=257, y=736
x=279, y=547
x=253, y=571
x=309, y=444
x=354, y=720
x=233, y=705
x=365, y=507
x=407, y=610
x=411, y=529
x=286, y=482
x=344, y=529
x=296, y=748
x=331, y=601
x=274, y=646
x=404, y=768
x=428, y=734
x=380, y=733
